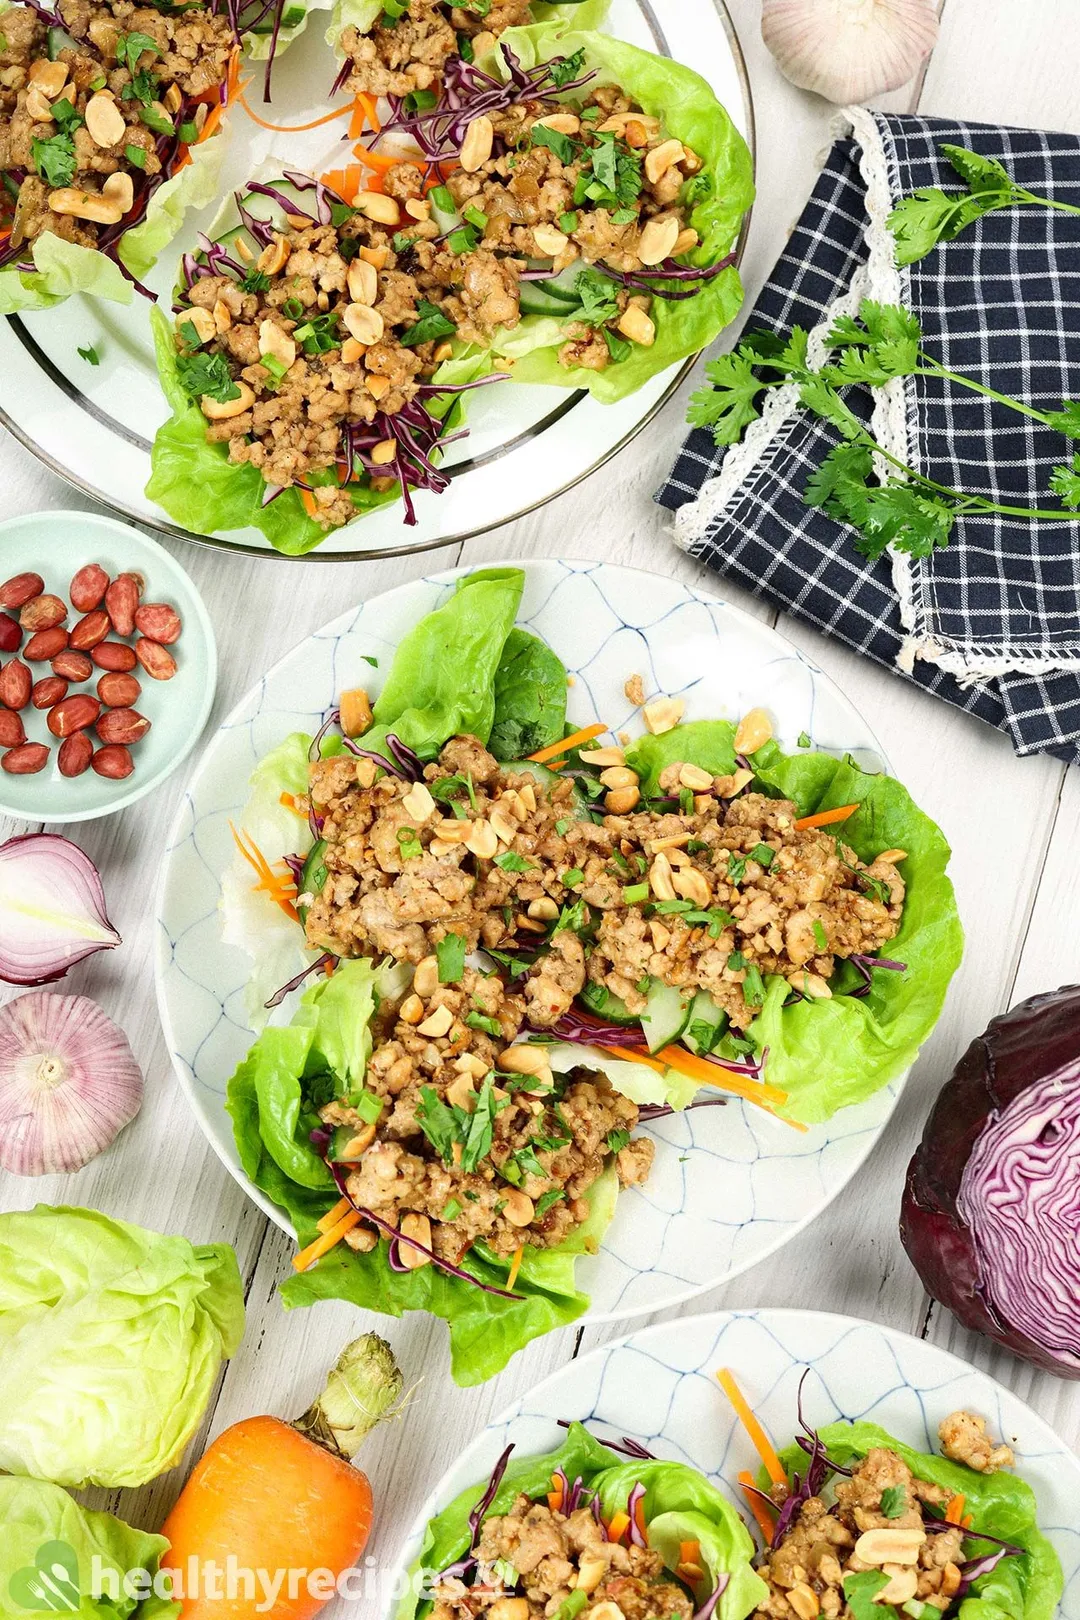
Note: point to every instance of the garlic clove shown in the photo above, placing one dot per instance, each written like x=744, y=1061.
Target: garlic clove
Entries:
x=849, y=50
x=69, y=1083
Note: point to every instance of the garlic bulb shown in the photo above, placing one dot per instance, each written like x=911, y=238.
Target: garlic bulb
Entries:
x=69, y=1083
x=849, y=50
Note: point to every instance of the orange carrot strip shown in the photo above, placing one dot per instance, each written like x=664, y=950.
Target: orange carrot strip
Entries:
x=280, y=888
x=346, y=182
x=762, y=1444
x=689, y=1552
x=765, y=1522
x=555, y=1497
x=639, y=1518
x=954, y=1513
x=620, y=1524
x=370, y=106
x=289, y=801
x=826, y=818
x=575, y=740
x=329, y=1240
x=291, y=129
x=381, y=162
x=333, y=1216
x=515, y=1266
x=308, y=501
x=710, y=1074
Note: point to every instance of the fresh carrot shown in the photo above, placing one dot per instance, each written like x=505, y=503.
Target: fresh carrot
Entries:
x=276, y=1497
x=281, y=887
x=308, y=501
x=289, y=801
x=755, y=1501
x=292, y=129
x=575, y=740
x=689, y=1552
x=369, y=104
x=555, y=1497
x=346, y=182
x=954, y=1513
x=826, y=818
x=515, y=1266
x=762, y=1444
x=710, y=1074
x=620, y=1524
x=381, y=162
x=327, y=1241
x=639, y=1519
x=332, y=1216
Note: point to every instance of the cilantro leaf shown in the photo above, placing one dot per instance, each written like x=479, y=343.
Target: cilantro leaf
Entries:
x=730, y=404
x=547, y=1200
x=54, y=159
x=982, y=174
x=450, y=954
x=90, y=355
x=820, y=397
x=566, y=68
x=886, y=345
x=860, y=1591
x=1065, y=481
x=431, y=324
x=599, y=301
x=894, y=1501
x=560, y=144
x=1067, y=420
x=438, y=1123
x=617, y=1140
x=206, y=374
x=477, y=1144
x=900, y=515
x=511, y=861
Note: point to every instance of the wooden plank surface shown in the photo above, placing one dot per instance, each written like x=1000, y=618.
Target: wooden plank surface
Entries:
x=1014, y=825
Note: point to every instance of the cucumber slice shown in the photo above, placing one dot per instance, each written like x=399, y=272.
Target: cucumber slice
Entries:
x=313, y=877
x=564, y=285
x=666, y=1015
x=57, y=40
x=579, y=803
x=538, y=298
x=706, y=1024
x=611, y=1008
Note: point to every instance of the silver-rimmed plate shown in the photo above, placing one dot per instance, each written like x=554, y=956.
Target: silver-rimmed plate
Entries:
x=93, y=424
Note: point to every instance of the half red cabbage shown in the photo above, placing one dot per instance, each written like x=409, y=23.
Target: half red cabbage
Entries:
x=991, y=1211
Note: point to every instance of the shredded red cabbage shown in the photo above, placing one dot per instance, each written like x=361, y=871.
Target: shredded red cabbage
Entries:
x=628, y=1447
x=637, y=1496
x=650, y=279
x=583, y=1030
x=279, y=995
x=708, y=1608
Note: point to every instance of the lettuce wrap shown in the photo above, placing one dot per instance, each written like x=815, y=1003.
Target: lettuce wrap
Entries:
x=1024, y=1587
x=679, y=1506
x=689, y=111
x=273, y=1100
x=61, y=268
x=828, y=1055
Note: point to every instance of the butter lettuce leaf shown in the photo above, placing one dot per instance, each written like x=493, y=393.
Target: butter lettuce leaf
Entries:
x=111, y=1341
x=1002, y=1505
x=530, y=698
x=677, y=1499
x=831, y=1054
x=689, y=111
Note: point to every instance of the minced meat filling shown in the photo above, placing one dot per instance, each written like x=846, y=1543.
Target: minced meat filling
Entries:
x=875, y=1523
x=87, y=128
x=477, y=1139
x=715, y=897
x=555, y=1556
x=400, y=55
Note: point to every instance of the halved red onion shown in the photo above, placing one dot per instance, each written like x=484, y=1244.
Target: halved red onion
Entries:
x=69, y=1083
x=52, y=909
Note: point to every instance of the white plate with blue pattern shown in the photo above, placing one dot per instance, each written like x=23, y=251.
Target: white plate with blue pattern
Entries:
x=729, y=1185
x=659, y=1387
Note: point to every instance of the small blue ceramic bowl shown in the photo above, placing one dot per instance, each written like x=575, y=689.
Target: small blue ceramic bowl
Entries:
x=55, y=545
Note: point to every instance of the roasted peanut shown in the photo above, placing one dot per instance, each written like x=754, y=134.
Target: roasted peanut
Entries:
x=113, y=762
x=437, y=1023
x=15, y=685
x=45, y=644
x=10, y=634
x=519, y=1207
x=17, y=591
x=418, y=803
x=88, y=587
x=73, y=714
x=12, y=730
x=90, y=630
x=658, y=240
x=157, y=660
x=419, y=1228
x=363, y=282
x=223, y=410
x=620, y=801
x=122, y=726
x=49, y=691
x=121, y=600
x=663, y=715
x=879, y=1547
x=754, y=731
x=75, y=754
x=114, y=655
x=693, y=777
x=158, y=621
x=73, y=666
x=377, y=206
x=104, y=120
x=26, y=760
x=476, y=147
x=355, y=712
x=43, y=612
x=118, y=691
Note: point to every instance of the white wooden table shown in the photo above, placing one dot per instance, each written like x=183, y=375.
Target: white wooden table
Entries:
x=1015, y=827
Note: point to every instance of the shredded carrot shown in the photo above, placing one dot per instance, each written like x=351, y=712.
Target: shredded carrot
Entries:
x=639, y=1518
x=762, y=1444
x=292, y=129
x=954, y=1513
x=381, y=162
x=764, y=1520
x=620, y=1524
x=515, y=1266
x=329, y=1240
x=370, y=106
x=575, y=740
x=555, y=1497
x=308, y=500
x=280, y=886
x=710, y=1074
x=333, y=1216
x=289, y=801
x=689, y=1552
x=346, y=182
x=826, y=818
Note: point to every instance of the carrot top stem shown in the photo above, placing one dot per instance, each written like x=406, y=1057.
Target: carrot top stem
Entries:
x=364, y=1388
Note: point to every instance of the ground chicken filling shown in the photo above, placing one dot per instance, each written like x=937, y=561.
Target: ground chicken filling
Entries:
x=877, y=1522
x=93, y=115
x=554, y=1556
x=716, y=896
x=407, y=47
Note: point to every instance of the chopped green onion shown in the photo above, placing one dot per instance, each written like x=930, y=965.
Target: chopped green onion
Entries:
x=476, y=217
x=511, y=861
x=568, y=223
x=90, y=355
x=636, y=893
x=452, y=1211
x=572, y=876
x=136, y=156
x=409, y=843
x=821, y=938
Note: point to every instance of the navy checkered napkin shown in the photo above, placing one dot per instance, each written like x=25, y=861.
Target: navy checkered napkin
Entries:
x=992, y=623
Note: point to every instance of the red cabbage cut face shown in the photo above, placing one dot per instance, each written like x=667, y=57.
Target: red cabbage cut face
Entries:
x=991, y=1211
x=1020, y=1197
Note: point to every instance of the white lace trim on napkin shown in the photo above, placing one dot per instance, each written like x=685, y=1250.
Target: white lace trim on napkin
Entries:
x=894, y=423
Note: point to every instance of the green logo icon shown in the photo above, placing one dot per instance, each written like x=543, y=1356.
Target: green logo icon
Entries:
x=51, y=1583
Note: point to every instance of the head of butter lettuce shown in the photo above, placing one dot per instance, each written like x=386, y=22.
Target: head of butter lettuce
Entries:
x=111, y=1340
x=679, y=1505
x=56, y=1556
x=63, y=268
x=688, y=111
